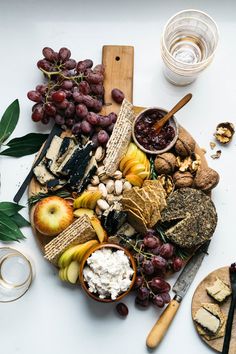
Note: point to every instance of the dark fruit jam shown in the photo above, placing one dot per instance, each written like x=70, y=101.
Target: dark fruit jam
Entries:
x=146, y=134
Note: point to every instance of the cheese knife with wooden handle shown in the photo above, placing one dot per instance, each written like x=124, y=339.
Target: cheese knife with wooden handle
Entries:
x=180, y=288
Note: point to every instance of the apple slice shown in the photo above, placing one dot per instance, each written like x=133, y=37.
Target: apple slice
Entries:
x=73, y=272
x=101, y=233
x=67, y=257
x=135, y=180
x=84, y=247
x=83, y=211
x=131, y=163
x=78, y=201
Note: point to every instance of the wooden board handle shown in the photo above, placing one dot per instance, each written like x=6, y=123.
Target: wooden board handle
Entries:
x=161, y=326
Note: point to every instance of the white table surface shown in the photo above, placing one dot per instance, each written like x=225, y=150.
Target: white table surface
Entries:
x=56, y=318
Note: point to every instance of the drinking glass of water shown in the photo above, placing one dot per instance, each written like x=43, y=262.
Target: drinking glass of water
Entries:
x=188, y=45
x=16, y=274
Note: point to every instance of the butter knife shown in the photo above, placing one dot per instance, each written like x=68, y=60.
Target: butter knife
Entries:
x=56, y=130
x=180, y=289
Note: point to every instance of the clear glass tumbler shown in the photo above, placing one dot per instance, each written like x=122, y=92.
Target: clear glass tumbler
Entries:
x=188, y=45
x=16, y=274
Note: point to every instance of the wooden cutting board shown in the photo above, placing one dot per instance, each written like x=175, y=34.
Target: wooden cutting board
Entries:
x=200, y=296
x=119, y=62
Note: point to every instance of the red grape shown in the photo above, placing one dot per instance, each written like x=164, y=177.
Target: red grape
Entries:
x=100, y=68
x=177, y=264
x=58, y=96
x=158, y=301
x=93, y=118
x=97, y=106
x=70, y=122
x=42, y=89
x=34, y=96
x=81, y=110
x=143, y=293
x=44, y=64
x=94, y=78
x=105, y=121
x=70, y=110
x=64, y=54
x=159, y=262
x=86, y=127
x=37, y=113
x=88, y=101
x=59, y=119
x=117, y=95
x=165, y=297
x=150, y=242
x=50, y=109
x=113, y=117
x=45, y=119
x=159, y=285
x=142, y=303
x=49, y=54
x=78, y=97
x=95, y=141
x=67, y=84
x=103, y=137
x=70, y=64
x=122, y=309
x=148, y=267
x=167, y=250
x=110, y=128
x=84, y=88
x=76, y=128
x=97, y=89
x=88, y=63
x=138, y=281
x=63, y=105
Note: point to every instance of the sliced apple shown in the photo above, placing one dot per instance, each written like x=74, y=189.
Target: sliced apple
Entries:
x=137, y=169
x=143, y=174
x=84, y=247
x=67, y=257
x=78, y=201
x=135, y=180
x=73, y=272
x=61, y=274
x=131, y=163
x=83, y=211
x=101, y=233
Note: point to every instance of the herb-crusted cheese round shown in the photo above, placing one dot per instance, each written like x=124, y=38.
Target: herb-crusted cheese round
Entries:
x=108, y=273
x=192, y=216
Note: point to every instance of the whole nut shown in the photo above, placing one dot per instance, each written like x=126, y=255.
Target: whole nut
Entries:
x=182, y=179
x=98, y=211
x=185, y=144
x=102, y=189
x=127, y=185
x=92, y=188
x=165, y=163
x=118, y=187
x=102, y=204
x=99, y=154
x=206, y=179
x=110, y=186
x=95, y=181
x=117, y=175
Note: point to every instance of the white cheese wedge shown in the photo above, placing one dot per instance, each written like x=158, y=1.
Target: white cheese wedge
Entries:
x=42, y=174
x=207, y=320
x=218, y=290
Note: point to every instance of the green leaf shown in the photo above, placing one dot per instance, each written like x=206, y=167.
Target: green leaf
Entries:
x=25, y=145
x=9, y=120
x=20, y=220
x=9, y=208
x=9, y=230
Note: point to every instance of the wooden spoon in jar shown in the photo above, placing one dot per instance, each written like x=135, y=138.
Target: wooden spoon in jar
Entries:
x=160, y=123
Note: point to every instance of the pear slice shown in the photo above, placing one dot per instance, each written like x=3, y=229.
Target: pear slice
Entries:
x=73, y=272
x=84, y=247
x=131, y=163
x=67, y=257
x=137, y=169
x=83, y=211
x=101, y=233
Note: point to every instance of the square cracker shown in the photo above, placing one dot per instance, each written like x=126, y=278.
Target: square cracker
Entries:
x=136, y=222
x=128, y=202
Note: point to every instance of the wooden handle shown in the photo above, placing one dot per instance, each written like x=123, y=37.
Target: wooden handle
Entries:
x=159, y=124
x=161, y=326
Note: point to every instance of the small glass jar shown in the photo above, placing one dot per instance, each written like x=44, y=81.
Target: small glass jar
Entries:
x=188, y=45
x=16, y=274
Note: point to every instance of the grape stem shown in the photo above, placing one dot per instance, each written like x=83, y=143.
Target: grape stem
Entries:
x=137, y=250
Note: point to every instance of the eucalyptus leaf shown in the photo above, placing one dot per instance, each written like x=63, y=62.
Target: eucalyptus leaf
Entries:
x=9, y=120
x=10, y=208
x=25, y=145
x=20, y=220
x=9, y=231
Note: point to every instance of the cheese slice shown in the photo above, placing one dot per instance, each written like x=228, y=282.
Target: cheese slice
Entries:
x=42, y=174
x=207, y=320
x=219, y=290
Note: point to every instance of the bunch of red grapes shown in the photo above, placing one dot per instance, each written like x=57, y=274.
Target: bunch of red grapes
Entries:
x=72, y=96
x=154, y=260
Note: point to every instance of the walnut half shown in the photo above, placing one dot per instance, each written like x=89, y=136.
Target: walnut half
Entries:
x=224, y=132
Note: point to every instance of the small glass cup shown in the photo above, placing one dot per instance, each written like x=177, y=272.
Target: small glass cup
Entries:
x=16, y=274
x=188, y=45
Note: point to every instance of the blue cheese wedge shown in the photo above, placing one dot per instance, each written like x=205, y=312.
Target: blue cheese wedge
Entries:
x=42, y=174
x=218, y=290
x=88, y=174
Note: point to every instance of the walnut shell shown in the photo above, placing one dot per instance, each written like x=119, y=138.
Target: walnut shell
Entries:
x=165, y=163
x=206, y=179
x=182, y=179
x=224, y=132
x=185, y=144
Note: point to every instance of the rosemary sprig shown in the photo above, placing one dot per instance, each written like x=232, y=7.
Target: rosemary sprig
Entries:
x=37, y=197
x=153, y=174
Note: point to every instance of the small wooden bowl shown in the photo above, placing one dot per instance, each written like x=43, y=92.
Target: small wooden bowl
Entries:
x=83, y=263
x=172, y=122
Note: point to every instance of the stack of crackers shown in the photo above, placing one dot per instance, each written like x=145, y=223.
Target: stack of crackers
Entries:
x=144, y=205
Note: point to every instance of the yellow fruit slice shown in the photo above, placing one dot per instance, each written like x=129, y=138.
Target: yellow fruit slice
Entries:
x=135, y=180
x=101, y=233
x=141, y=156
x=67, y=257
x=84, y=247
x=78, y=201
x=61, y=274
x=73, y=272
x=137, y=169
x=132, y=148
x=129, y=165
x=83, y=211
x=143, y=174
x=92, y=200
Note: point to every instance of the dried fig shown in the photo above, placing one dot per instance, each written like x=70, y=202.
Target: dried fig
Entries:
x=165, y=163
x=206, y=179
x=182, y=179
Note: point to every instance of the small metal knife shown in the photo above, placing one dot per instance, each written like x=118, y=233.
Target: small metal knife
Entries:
x=56, y=130
x=180, y=288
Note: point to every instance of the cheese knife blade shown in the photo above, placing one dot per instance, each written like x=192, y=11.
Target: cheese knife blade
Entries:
x=56, y=130
x=180, y=288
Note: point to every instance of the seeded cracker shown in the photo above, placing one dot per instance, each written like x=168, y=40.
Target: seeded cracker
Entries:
x=120, y=138
x=78, y=232
x=136, y=222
